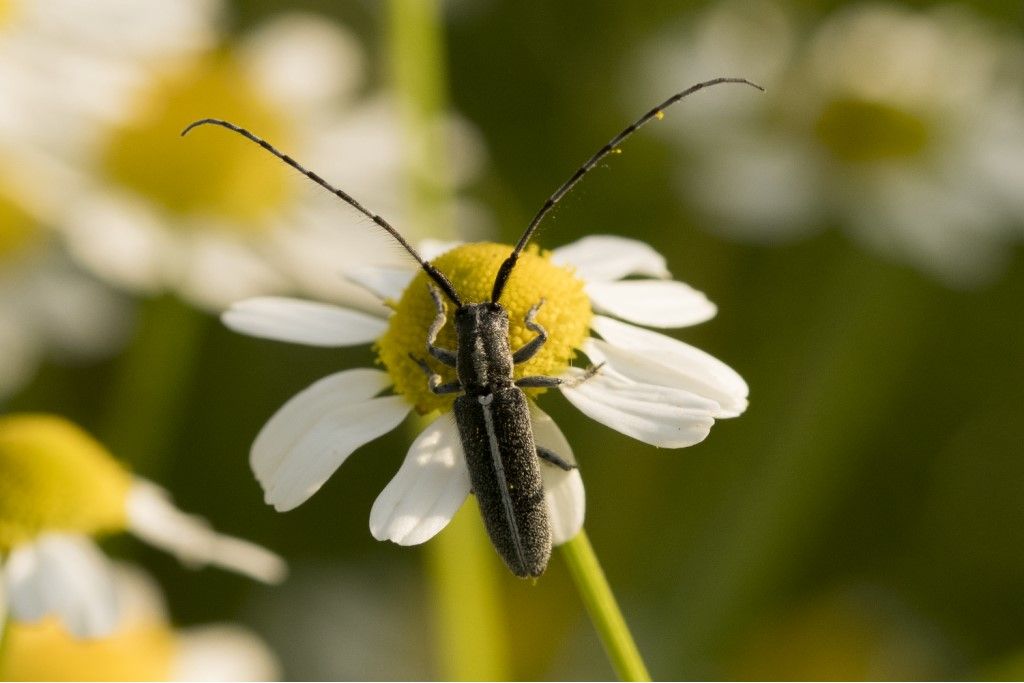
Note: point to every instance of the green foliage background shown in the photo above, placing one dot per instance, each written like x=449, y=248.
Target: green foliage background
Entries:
x=865, y=514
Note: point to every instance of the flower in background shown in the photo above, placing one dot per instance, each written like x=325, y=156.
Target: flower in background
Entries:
x=66, y=71
x=67, y=67
x=904, y=126
x=651, y=387
x=59, y=488
x=143, y=646
x=47, y=307
x=355, y=618
x=211, y=216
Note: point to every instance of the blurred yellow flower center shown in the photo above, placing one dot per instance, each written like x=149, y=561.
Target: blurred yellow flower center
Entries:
x=6, y=10
x=212, y=173
x=55, y=477
x=471, y=268
x=44, y=651
x=857, y=130
x=18, y=229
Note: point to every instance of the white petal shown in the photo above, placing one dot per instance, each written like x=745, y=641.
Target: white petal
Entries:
x=298, y=416
x=388, y=283
x=303, y=61
x=430, y=249
x=658, y=359
x=303, y=322
x=64, y=575
x=661, y=416
x=607, y=257
x=216, y=266
x=154, y=518
x=121, y=239
x=656, y=303
x=428, y=489
x=140, y=600
x=314, y=432
x=782, y=181
x=80, y=316
x=3, y=599
x=223, y=652
x=563, y=490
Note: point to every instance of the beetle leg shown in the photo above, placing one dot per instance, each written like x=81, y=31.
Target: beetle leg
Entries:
x=434, y=379
x=539, y=382
x=444, y=355
x=530, y=349
x=543, y=382
x=555, y=459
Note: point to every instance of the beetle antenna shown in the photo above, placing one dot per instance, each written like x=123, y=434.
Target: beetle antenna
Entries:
x=434, y=274
x=657, y=112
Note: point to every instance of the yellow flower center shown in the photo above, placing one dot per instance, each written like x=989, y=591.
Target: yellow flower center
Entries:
x=44, y=651
x=212, y=174
x=857, y=130
x=18, y=229
x=55, y=477
x=471, y=268
x=6, y=10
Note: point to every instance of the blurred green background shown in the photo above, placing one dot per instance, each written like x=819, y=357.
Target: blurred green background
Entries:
x=864, y=518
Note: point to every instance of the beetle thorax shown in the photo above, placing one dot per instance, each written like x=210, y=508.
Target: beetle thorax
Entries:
x=484, y=354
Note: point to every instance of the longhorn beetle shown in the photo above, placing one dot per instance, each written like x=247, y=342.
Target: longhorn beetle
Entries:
x=491, y=411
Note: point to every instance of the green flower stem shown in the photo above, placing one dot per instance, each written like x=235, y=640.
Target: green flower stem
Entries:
x=148, y=395
x=416, y=46
x=465, y=576
x=603, y=609
x=470, y=636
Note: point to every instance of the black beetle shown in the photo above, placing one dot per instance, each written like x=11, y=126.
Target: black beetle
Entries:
x=492, y=413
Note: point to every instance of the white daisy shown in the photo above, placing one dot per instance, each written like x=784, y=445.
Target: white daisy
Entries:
x=58, y=489
x=651, y=387
x=904, y=126
x=67, y=69
x=143, y=646
x=209, y=216
x=67, y=66
x=48, y=309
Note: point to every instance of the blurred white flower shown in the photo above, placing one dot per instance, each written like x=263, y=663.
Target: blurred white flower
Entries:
x=142, y=646
x=59, y=488
x=213, y=217
x=67, y=66
x=48, y=309
x=651, y=387
x=905, y=127
x=67, y=71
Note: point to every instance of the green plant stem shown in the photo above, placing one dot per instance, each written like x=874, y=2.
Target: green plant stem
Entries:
x=465, y=580
x=416, y=46
x=148, y=395
x=603, y=609
x=465, y=583
x=470, y=636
